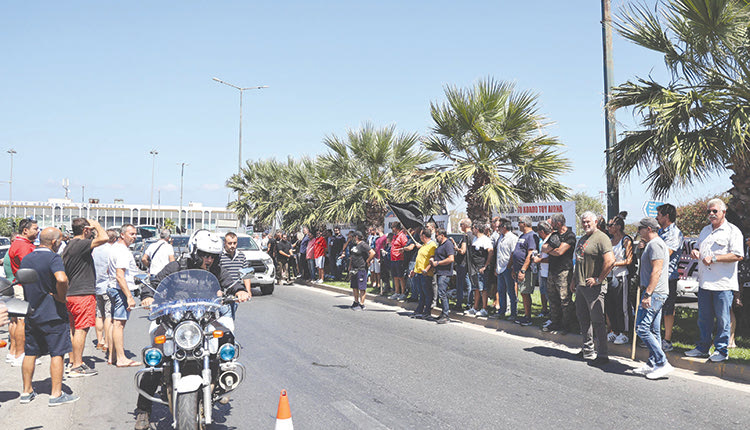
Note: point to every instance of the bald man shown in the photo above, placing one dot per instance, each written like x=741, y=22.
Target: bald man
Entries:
x=47, y=327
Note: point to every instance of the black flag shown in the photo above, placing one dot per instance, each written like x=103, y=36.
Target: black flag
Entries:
x=408, y=214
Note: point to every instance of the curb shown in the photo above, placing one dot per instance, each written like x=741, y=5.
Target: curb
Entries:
x=729, y=371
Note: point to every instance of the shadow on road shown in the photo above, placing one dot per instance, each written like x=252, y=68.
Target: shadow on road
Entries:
x=161, y=419
x=6, y=396
x=613, y=367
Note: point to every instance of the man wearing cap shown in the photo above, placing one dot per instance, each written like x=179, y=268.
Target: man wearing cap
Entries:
x=594, y=261
x=718, y=250
x=654, y=281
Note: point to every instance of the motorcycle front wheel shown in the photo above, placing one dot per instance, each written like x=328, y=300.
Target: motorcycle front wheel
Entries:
x=189, y=411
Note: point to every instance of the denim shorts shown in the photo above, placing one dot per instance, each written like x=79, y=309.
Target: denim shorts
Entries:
x=477, y=282
x=119, y=304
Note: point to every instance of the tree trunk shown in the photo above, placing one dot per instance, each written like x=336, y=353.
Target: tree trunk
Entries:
x=740, y=202
x=374, y=214
x=476, y=209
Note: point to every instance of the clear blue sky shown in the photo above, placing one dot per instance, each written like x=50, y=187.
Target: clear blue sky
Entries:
x=88, y=88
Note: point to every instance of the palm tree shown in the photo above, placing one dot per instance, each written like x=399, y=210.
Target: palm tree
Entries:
x=698, y=124
x=497, y=153
x=369, y=167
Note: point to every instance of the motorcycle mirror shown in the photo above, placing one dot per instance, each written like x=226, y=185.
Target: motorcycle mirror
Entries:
x=247, y=273
x=17, y=308
x=142, y=278
x=27, y=276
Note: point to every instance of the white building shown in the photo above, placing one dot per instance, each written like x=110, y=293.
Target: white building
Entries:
x=60, y=212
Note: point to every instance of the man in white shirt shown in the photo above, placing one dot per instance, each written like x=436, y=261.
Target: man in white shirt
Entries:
x=719, y=248
x=103, y=304
x=158, y=254
x=122, y=270
x=506, y=287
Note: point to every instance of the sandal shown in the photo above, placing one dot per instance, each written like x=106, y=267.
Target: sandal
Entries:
x=132, y=363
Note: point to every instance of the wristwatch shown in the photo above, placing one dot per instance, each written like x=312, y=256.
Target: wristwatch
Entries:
x=713, y=259
x=646, y=295
x=523, y=271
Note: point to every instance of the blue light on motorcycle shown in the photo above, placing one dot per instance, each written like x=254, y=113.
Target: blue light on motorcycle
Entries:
x=152, y=357
x=227, y=352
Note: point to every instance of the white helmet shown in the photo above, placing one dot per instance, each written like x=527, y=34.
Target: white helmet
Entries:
x=205, y=241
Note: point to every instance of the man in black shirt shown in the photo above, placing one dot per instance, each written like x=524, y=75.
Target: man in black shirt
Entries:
x=443, y=264
x=284, y=249
x=337, y=246
x=81, y=304
x=360, y=257
x=462, y=248
x=560, y=247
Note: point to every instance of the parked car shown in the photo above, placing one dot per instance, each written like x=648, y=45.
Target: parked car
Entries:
x=3, y=252
x=4, y=241
x=138, y=250
x=265, y=271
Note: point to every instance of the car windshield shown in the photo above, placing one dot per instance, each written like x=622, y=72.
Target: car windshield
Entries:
x=247, y=243
x=3, y=252
x=180, y=241
x=186, y=288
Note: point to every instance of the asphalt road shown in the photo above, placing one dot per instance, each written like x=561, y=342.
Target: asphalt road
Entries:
x=379, y=369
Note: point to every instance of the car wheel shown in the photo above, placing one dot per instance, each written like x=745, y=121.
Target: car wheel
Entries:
x=266, y=289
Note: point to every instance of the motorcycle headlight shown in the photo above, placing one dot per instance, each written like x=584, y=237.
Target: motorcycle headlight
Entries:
x=188, y=335
x=152, y=357
x=227, y=352
x=177, y=315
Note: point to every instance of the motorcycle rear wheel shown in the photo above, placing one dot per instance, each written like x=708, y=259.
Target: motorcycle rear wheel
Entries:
x=190, y=411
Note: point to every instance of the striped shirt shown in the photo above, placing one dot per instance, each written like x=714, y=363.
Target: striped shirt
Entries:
x=233, y=265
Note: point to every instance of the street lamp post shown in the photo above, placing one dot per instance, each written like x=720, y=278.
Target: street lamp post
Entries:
x=153, y=153
x=182, y=175
x=10, y=183
x=241, y=89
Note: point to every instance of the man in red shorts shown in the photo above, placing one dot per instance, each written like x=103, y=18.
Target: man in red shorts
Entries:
x=79, y=267
x=22, y=246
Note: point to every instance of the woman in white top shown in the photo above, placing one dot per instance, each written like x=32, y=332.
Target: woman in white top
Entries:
x=616, y=299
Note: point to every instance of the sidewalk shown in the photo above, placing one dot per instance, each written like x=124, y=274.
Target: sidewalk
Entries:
x=729, y=371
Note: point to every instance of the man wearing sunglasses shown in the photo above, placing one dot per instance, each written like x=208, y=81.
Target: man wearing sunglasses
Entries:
x=718, y=249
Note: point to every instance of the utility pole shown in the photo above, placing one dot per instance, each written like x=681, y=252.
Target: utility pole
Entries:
x=153, y=153
x=83, y=194
x=613, y=183
x=10, y=184
x=182, y=175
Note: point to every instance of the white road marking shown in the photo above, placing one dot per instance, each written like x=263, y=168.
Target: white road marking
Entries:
x=357, y=416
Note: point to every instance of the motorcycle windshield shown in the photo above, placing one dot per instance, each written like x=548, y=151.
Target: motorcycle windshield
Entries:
x=186, y=289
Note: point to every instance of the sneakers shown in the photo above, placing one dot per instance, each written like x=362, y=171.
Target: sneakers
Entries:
x=696, y=353
x=586, y=356
x=717, y=357
x=611, y=336
x=9, y=358
x=544, y=314
x=524, y=321
x=547, y=323
x=660, y=371
x=443, y=319
x=402, y=297
x=354, y=305
x=511, y=317
x=361, y=307
x=81, y=371
x=481, y=313
x=621, y=339
x=18, y=361
x=599, y=361
x=666, y=345
x=394, y=297
x=471, y=311
x=643, y=370
x=27, y=397
x=62, y=399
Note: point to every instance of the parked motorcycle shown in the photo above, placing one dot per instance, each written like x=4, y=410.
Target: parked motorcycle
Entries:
x=16, y=307
x=192, y=347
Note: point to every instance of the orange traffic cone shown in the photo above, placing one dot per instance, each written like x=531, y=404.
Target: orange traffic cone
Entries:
x=284, y=415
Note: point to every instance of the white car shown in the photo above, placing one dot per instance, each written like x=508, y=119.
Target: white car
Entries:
x=265, y=271
x=3, y=252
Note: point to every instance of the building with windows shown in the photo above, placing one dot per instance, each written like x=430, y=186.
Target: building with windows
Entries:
x=60, y=212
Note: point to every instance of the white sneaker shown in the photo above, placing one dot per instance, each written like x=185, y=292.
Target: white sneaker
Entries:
x=611, y=336
x=717, y=357
x=660, y=371
x=547, y=323
x=697, y=353
x=9, y=358
x=481, y=313
x=620, y=339
x=18, y=361
x=643, y=370
x=471, y=311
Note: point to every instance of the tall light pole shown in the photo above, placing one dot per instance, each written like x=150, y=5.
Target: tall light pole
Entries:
x=242, y=89
x=182, y=175
x=153, y=153
x=11, y=151
x=613, y=183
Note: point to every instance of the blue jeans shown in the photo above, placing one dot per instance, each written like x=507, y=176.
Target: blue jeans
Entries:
x=648, y=328
x=714, y=305
x=463, y=283
x=442, y=288
x=311, y=267
x=424, y=282
x=507, y=287
x=410, y=284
